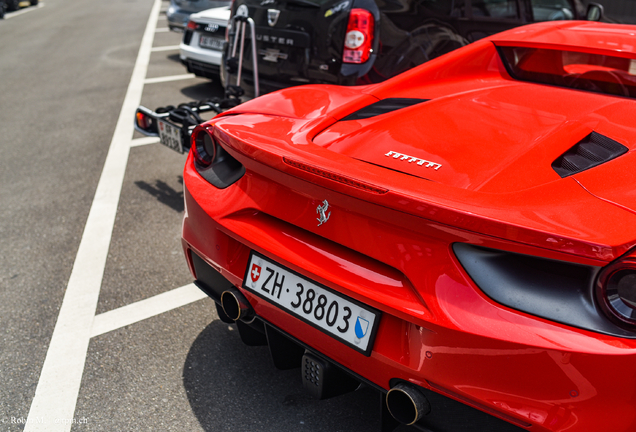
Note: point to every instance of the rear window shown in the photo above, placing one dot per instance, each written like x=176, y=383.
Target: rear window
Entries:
x=577, y=70
x=495, y=8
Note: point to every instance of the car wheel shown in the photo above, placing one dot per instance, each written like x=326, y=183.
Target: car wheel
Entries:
x=3, y=6
x=34, y=2
x=13, y=5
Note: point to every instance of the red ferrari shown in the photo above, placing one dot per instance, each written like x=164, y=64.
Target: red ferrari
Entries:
x=461, y=237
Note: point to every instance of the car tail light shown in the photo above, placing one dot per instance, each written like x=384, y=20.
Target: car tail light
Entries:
x=359, y=38
x=616, y=291
x=192, y=25
x=204, y=146
x=143, y=121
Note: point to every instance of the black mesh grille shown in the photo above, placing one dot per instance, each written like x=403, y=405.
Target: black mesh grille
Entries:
x=382, y=107
x=593, y=150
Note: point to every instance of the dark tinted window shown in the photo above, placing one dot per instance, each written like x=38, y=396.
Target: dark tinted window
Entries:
x=577, y=70
x=495, y=8
x=552, y=10
x=444, y=7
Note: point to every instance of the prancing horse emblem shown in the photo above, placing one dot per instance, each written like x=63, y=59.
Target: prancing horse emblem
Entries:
x=323, y=216
x=272, y=17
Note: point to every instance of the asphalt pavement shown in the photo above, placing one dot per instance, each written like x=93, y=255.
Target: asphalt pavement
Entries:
x=101, y=329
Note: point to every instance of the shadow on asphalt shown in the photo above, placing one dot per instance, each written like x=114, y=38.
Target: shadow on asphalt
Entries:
x=164, y=193
x=204, y=90
x=233, y=387
x=174, y=58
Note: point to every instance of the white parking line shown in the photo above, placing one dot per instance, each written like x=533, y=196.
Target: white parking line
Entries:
x=61, y=376
x=169, y=78
x=144, y=141
x=141, y=310
x=23, y=11
x=165, y=48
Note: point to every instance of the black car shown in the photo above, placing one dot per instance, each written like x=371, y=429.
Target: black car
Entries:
x=352, y=42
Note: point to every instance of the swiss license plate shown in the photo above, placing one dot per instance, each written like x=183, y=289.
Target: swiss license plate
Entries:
x=170, y=136
x=211, y=43
x=347, y=320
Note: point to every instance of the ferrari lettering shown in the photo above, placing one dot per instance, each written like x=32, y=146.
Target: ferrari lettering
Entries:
x=410, y=159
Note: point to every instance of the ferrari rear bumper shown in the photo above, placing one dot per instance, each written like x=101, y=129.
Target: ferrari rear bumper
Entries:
x=323, y=378
x=559, y=379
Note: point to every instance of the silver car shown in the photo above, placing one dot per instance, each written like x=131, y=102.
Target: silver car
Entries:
x=179, y=11
x=203, y=41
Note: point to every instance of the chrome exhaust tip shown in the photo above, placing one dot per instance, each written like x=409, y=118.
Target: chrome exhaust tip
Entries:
x=236, y=306
x=407, y=404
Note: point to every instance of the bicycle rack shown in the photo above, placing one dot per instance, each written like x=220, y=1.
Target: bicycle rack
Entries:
x=239, y=22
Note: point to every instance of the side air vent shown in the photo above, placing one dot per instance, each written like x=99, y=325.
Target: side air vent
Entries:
x=595, y=149
x=382, y=107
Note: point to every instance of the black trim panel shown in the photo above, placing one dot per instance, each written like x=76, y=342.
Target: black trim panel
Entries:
x=555, y=290
x=382, y=107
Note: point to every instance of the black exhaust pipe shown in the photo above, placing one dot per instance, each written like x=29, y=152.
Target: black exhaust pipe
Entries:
x=406, y=403
x=236, y=306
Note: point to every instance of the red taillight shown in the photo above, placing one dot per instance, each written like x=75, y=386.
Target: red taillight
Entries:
x=143, y=121
x=203, y=145
x=358, y=43
x=192, y=25
x=616, y=291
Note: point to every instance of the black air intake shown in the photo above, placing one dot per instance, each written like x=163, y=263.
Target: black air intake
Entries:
x=595, y=149
x=382, y=107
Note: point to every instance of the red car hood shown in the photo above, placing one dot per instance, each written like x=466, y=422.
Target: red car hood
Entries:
x=505, y=171
x=481, y=140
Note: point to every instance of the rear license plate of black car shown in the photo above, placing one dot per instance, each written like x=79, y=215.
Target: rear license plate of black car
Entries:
x=211, y=43
x=343, y=318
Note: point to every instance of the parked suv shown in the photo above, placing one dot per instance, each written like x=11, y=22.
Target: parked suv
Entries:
x=361, y=41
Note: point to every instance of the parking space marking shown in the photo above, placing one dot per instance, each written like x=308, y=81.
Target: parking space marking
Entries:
x=23, y=11
x=144, y=141
x=61, y=375
x=148, y=308
x=165, y=48
x=169, y=78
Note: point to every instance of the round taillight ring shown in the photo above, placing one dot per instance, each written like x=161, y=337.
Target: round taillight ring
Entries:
x=354, y=39
x=616, y=292
x=204, y=146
